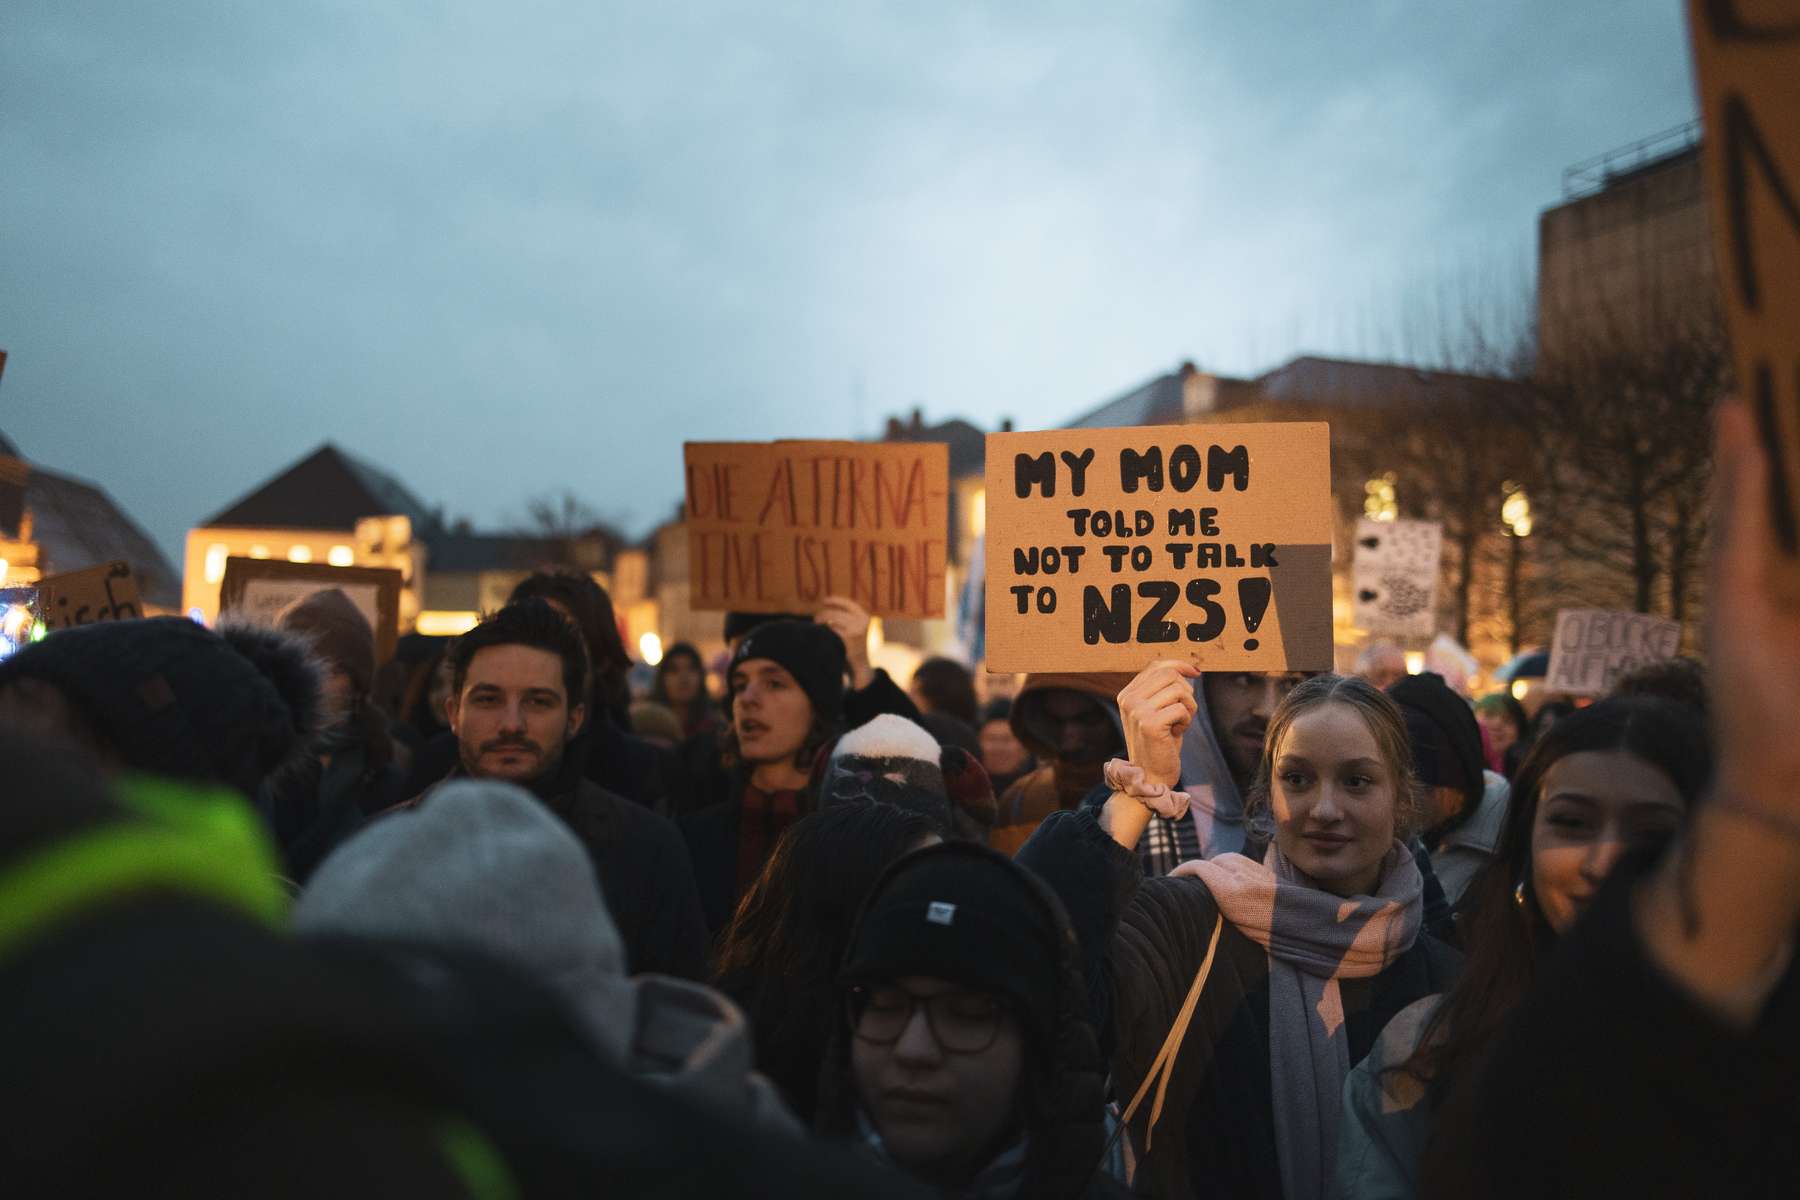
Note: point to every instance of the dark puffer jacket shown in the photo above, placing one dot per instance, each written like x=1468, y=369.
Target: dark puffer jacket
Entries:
x=1064, y=1086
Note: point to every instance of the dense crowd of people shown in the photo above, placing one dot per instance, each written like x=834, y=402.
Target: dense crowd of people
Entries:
x=278, y=919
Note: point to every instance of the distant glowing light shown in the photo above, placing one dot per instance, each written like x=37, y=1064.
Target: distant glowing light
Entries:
x=1415, y=661
x=650, y=646
x=446, y=624
x=300, y=554
x=1380, y=500
x=197, y=616
x=16, y=622
x=1519, y=688
x=341, y=556
x=259, y=551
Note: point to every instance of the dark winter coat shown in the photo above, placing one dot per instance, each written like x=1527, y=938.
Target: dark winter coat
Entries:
x=163, y=1036
x=1611, y=1081
x=315, y=805
x=1146, y=940
x=1064, y=1088
x=710, y=825
x=643, y=869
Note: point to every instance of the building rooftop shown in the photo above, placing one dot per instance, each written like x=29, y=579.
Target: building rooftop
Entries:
x=328, y=489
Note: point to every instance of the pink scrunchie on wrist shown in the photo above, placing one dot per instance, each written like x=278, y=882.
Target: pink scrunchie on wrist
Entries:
x=1128, y=779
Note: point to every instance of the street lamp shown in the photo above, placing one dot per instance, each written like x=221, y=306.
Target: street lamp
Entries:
x=1515, y=515
x=1380, y=500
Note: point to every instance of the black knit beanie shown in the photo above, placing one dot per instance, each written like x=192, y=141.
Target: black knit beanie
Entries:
x=966, y=914
x=173, y=698
x=810, y=652
x=1446, y=740
x=737, y=624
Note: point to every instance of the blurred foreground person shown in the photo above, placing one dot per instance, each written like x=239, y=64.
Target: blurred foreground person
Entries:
x=780, y=955
x=481, y=868
x=165, y=1034
x=1242, y=989
x=166, y=696
x=1617, y=777
x=515, y=707
x=1658, y=1053
x=962, y=1051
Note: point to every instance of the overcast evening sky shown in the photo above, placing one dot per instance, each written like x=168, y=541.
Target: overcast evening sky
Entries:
x=507, y=249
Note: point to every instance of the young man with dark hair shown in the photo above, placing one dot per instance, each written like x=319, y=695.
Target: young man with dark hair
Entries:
x=517, y=699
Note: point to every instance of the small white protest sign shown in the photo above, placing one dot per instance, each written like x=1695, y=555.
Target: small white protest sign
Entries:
x=1594, y=646
x=1395, y=577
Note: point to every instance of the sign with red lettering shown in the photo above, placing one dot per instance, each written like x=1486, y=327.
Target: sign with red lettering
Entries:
x=778, y=526
x=1593, y=647
x=1747, y=61
x=1108, y=548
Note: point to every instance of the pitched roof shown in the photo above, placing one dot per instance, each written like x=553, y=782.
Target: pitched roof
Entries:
x=1307, y=381
x=328, y=489
x=968, y=445
x=77, y=525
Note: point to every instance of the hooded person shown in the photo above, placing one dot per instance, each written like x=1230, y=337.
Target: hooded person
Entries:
x=169, y=697
x=963, y=1053
x=353, y=771
x=1070, y=723
x=482, y=868
x=1465, y=803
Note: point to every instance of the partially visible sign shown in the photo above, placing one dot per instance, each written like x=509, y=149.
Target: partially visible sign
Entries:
x=258, y=589
x=1107, y=548
x=1395, y=576
x=779, y=526
x=1595, y=646
x=1747, y=57
x=105, y=593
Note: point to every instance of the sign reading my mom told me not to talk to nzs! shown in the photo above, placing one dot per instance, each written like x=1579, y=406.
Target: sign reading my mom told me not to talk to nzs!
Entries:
x=1108, y=548
x=779, y=526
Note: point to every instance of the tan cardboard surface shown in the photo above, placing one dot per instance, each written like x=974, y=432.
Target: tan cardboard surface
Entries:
x=1747, y=58
x=778, y=526
x=1108, y=548
x=258, y=589
x=108, y=592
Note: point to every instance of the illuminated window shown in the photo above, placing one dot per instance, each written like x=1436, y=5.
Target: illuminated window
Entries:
x=259, y=551
x=216, y=554
x=978, y=512
x=341, y=556
x=446, y=624
x=1380, y=501
x=300, y=554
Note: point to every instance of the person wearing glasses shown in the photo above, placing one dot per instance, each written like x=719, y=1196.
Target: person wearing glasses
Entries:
x=962, y=1052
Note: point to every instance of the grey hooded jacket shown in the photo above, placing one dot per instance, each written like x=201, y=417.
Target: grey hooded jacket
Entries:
x=482, y=867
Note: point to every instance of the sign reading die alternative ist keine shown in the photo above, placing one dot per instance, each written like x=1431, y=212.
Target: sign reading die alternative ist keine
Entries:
x=779, y=526
x=1107, y=548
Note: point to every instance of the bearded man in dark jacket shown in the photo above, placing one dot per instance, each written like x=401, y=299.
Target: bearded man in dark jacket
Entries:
x=513, y=677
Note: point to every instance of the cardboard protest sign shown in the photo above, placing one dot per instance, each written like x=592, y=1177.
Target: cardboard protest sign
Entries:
x=1747, y=56
x=778, y=526
x=1395, y=577
x=1594, y=646
x=105, y=593
x=258, y=589
x=1108, y=548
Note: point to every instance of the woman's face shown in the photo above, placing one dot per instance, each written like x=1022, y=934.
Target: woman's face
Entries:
x=770, y=711
x=1500, y=730
x=1592, y=807
x=1333, y=798
x=682, y=679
